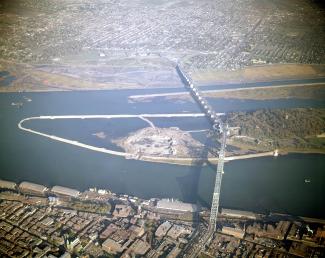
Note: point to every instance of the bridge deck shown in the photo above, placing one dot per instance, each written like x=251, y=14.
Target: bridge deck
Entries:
x=220, y=128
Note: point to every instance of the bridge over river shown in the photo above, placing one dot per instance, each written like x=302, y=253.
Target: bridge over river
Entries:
x=220, y=129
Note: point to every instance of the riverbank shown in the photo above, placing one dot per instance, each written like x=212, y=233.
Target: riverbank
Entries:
x=314, y=90
x=258, y=73
x=197, y=161
x=152, y=74
x=101, y=216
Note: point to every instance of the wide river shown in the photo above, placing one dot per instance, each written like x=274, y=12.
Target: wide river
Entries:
x=261, y=184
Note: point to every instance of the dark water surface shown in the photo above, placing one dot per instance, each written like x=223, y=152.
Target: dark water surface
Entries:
x=263, y=184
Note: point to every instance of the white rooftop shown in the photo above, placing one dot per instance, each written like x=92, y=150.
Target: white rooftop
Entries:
x=238, y=213
x=7, y=184
x=65, y=191
x=175, y=205
x=32, y=187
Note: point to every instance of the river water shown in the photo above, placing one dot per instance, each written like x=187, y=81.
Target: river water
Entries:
x=261, y=184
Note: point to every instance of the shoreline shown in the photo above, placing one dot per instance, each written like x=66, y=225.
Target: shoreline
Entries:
x=14, y=186
x=45, y=81
x=195, y=161
x=146, y=97
x=5, y=89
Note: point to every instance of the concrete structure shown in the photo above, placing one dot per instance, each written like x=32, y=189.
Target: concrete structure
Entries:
x=137, y=231
x=65, y=255
x=90, y=147
x=174, y=253
x=8, y=185
x=236, y=232
x=139, y=247
x=112, y=246
x=33, y=188
x=177, y=230
x=122, y=211
x=170, y=205
x=163, y=229
x=60, y=190
x=72, y=244
x=238, y=214
x=47, y=221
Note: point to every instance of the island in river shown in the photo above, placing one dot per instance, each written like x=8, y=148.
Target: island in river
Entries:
x=251, y=134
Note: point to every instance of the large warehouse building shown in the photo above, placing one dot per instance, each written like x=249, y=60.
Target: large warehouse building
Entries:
x=28, y=187
x=7, y=185
x=170, y=205
x=238, y=214
x=65, y=191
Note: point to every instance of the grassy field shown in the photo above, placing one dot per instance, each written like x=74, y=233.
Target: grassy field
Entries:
x=267, y=93
x=259, y=73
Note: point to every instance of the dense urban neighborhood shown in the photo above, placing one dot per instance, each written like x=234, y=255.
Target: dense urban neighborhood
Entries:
x=36, y=221
x=203, y=35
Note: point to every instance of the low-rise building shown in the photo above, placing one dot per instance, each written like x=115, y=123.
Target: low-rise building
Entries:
x=163, y=229
x=28, y=187
x=136, y=231
x=174, y=253
x=175, y=206
x=4, y=184
x=238, y=214
x=112, y=246
x=236, y=232
x=65, y=191
x=176, y=231
x=139, y=247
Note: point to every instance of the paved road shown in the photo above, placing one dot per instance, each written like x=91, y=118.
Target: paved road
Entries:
x=210, y=89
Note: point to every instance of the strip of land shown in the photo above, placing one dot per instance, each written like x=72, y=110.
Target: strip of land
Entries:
x=171, y=160
x=258, y=73
x=145, y=73
x=304, y=91
x=263, y=146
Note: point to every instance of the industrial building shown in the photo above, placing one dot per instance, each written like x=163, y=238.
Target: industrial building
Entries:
x=139, y=247
x=7, y=185
x=171, y=205
x=238, y=214
x=236, y=232
x=28, y=187
x=163, y=229
x=112, y=246
x=65, y=191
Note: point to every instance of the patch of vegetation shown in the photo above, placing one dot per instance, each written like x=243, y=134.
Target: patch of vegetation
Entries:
x=102, y=208
x=286, y=128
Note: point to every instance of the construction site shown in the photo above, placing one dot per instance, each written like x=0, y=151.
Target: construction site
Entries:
x=161, y=142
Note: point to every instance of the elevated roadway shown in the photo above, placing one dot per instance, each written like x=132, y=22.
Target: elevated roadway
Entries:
x=220, y=128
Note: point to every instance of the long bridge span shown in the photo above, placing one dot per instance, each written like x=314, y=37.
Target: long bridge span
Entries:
x=220, y=129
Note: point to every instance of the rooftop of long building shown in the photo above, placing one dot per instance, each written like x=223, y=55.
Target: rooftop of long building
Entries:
x=171, y=204
x=32, y=187
x=61, y=190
